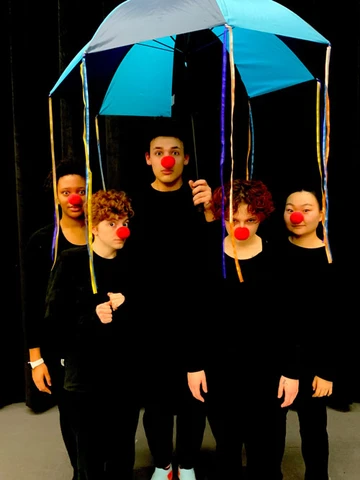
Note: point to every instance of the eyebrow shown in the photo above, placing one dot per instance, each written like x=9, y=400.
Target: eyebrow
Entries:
x=176, y=147
x=254, y=215
x=303, y=205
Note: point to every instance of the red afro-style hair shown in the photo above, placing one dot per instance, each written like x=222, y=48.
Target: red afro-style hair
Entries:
x=252, y=192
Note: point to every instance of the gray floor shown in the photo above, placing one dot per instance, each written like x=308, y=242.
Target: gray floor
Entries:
x=31, y=447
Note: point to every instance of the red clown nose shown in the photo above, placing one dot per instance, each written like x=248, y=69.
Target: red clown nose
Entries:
x=241, y=233
x=168, y=162
x=296, y=217
x=123, y=232
x=75, y=199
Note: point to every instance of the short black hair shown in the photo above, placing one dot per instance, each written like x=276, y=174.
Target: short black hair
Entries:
x=167, y=127
x=300, y=184
x=67, y=166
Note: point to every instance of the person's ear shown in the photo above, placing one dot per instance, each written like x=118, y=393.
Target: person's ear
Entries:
x=94, y=231
x=147, y=158
x=186, y=159
x=321, y=216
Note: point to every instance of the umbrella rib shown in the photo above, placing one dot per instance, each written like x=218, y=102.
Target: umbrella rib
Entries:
x=166, y=47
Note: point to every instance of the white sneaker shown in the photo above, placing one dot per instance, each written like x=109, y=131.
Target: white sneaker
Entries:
x=162, y=474
x=186, y=474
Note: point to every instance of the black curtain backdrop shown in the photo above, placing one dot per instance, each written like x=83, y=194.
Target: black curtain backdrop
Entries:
x=41, y=39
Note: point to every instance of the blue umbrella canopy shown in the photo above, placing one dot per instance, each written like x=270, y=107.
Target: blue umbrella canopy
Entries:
x=139, y=34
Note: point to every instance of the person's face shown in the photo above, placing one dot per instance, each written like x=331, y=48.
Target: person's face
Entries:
x=68, y=185
x=161, y=147
x=105, y=234
x=305, y=203
x=243, y=219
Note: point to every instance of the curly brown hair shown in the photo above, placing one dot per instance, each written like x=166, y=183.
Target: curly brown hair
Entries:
x=110, y=205
x=252, y=192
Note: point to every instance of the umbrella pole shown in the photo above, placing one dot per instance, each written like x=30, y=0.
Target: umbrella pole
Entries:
x=200, y=207
x=187, y=82
x=194, y=143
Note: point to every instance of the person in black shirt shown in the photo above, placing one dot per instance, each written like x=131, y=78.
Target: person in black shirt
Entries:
x=308, y=282
x=168, y=233
x=44, y=380
x=89, y=306
x=246, y=371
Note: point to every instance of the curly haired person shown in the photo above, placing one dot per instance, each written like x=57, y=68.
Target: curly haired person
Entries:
x=244, y=371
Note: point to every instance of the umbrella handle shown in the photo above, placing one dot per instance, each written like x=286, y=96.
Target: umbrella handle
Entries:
x=200, y=208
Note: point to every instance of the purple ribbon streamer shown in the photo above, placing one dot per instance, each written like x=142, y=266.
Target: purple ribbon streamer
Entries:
x=222, y=130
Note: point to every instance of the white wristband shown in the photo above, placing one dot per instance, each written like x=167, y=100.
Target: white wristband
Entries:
x=36, y=363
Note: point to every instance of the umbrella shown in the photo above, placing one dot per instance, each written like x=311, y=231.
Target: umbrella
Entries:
x=117, y=64
x=138, y=33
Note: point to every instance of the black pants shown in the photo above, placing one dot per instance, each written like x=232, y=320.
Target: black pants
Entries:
x=248, y=415
x=67, y=432
x=167, y=396
x=105, y=428
x=41, y=402
x=312, y=414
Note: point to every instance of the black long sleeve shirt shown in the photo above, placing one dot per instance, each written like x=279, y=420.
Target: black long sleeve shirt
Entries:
x=93, y=351
x=244, y=322
x=168, y=243
x=38, y=262
x=309, y=301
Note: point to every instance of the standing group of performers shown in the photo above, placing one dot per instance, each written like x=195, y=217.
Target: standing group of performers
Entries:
x=185, y=312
